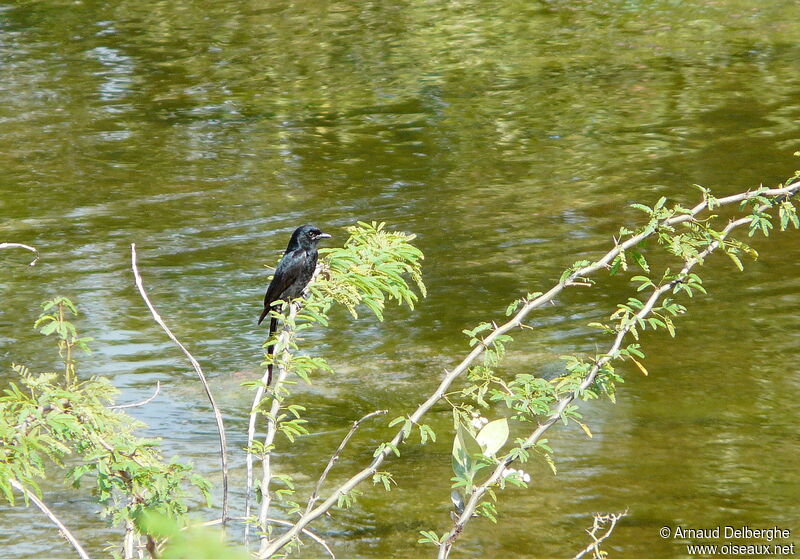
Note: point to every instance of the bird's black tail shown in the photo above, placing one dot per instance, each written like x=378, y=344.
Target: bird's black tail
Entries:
x=273, y=325
x=264, y=313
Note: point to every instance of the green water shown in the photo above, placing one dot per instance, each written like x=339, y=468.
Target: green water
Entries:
x=509, y=136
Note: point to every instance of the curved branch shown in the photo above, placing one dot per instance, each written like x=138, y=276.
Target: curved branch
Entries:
x=220, y=427
x=138, y=404
x=53, y=518
x=26, y=247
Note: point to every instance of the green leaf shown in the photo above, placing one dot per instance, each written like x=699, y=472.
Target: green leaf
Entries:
x=736, y=261
x=465, y=447
x=49, y=328
x=493, y=436
x=428, y=537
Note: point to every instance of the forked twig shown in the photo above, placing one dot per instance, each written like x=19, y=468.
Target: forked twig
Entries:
x=305, y=531
x=599, y=521
x=335, y=456
x=220, y=427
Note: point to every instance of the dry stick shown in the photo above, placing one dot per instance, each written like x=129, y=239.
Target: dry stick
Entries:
x=142, y=403
x=26, y=247
x=223, y=453
x=282, y=348
x=599, y=521
x=477, y=494
x=53, y=518
x=335, y=456
x=515, y=322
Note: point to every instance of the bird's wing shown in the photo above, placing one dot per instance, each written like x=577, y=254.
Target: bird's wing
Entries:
x=289, y=269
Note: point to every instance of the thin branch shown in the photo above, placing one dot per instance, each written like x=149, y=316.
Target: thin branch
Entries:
x=257, y=401
x=599, y=521
x=477, y=494
x=335, y=456
x=53, y=518
x=220, y=427
x=281, y=348
x=515, y=322
x=142, y=403
x=307, y=532
x=26, y=247
x=129, y=540
x=251, y=436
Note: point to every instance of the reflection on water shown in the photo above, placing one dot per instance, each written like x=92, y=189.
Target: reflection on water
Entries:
x=509, y=136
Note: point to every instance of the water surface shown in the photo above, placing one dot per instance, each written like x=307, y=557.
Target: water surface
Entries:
x=510, y=137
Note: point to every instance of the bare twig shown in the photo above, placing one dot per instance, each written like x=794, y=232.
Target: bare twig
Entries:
x=308, y=533
x=479, y=491
x=142, y=403
x=599, y=521
x=53, y=518
x=26, y=247
x=335, y=456
x=515, y=322
x=220, y=427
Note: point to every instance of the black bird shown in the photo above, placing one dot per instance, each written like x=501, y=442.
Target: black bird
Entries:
x=292, y=275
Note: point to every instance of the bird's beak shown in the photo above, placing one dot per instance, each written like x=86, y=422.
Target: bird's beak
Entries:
x=323, y=236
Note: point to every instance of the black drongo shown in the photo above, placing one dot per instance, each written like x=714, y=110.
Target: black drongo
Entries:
x=292, y=275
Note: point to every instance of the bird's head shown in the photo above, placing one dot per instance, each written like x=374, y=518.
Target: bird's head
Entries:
x=307, y=236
